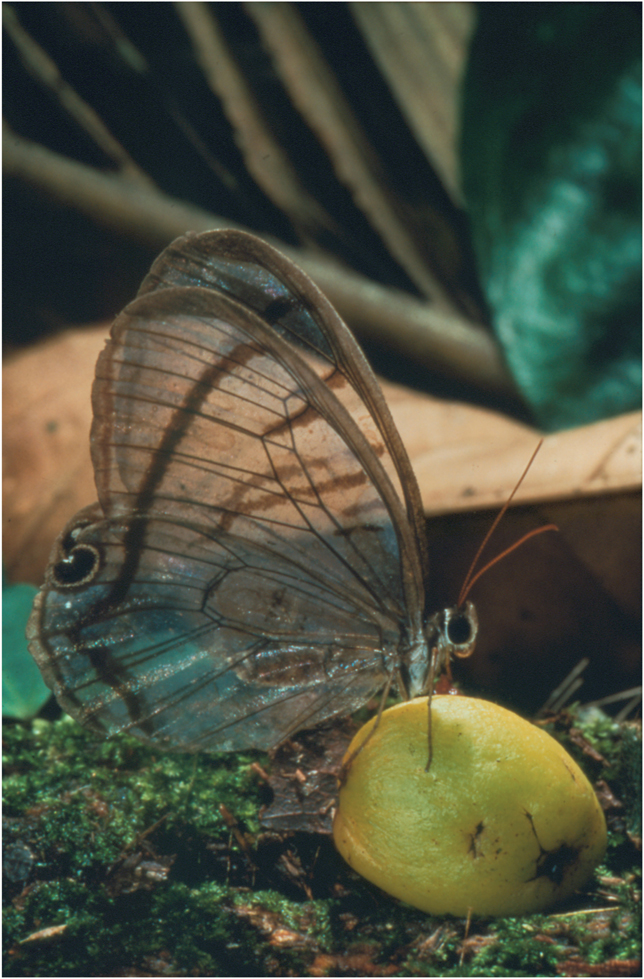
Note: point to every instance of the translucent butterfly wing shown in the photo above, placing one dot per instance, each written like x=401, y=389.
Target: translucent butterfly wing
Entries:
x=256, y=570
x=257, y=275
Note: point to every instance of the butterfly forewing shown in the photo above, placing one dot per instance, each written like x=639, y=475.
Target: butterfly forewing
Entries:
x=262, y=279
x=252, y=569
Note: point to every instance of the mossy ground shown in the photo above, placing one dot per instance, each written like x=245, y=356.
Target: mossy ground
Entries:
x=120, y=860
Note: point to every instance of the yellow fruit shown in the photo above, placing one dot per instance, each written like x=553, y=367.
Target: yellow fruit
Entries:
x=504, y=822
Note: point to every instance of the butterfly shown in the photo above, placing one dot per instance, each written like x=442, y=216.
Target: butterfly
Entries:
x=255, y=563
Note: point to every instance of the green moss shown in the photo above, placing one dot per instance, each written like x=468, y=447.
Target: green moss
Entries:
x=124, y=852
x=518, y=950
x=61, y=767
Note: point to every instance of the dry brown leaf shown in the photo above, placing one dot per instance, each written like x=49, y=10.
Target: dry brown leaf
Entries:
x=47, y=472
x=464, y=457
x=468, y=458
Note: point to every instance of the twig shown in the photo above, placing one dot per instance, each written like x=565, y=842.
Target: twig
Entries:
x=442, y=341
x=41, y=67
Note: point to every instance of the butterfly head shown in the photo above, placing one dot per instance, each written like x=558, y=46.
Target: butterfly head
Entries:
x=451, y=632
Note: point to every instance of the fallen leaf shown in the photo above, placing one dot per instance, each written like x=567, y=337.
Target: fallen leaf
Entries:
x=465, y=458
x=47, y=472
x=470, y=458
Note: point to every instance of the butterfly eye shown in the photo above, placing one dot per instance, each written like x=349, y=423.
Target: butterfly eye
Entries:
x=78, y=567
x=459, y=630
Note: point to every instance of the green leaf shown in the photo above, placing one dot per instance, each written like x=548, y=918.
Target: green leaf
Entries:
x=23, y=689
x=551, y=160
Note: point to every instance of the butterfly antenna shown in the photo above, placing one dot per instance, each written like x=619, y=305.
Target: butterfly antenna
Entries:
x=470, y=577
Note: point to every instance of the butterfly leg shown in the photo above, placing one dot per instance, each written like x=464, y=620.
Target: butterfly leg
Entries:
x=430, y=692
x=346, y=764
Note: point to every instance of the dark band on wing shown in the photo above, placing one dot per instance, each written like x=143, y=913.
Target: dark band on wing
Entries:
x=176, y=430
x=106, y=666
